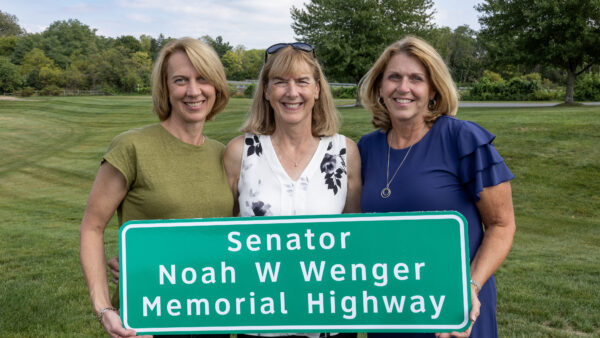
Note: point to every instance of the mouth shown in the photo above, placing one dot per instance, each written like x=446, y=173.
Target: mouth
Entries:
x=403, y=100
x=292, y=105
x=195, y=104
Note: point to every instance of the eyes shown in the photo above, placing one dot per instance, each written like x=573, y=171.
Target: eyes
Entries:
x=181, y=80
x=415, y=78
x=301, y=82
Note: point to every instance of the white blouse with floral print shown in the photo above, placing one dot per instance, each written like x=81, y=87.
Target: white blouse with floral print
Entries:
x=266, y=189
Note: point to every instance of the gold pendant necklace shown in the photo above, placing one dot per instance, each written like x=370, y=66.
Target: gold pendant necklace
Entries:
x=386, y=191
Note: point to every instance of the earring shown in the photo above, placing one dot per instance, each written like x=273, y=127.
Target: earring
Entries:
x=431, y=104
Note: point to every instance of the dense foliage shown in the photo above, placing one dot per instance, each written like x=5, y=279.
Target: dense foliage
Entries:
x=558, y=33
x=69, y=56
x=350, y=35
x=587, y=88
x=519, y=88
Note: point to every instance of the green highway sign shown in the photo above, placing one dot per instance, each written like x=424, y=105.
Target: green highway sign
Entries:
x=394, y=272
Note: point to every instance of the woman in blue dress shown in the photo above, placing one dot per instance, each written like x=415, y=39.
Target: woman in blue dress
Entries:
x=421, y=158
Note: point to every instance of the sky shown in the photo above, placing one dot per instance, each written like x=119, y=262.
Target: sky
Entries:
x=251, y=23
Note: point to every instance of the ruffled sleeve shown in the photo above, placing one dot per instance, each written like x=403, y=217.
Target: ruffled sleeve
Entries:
x=480, y=164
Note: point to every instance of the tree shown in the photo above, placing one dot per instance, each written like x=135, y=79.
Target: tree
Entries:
x=39, y=70
x=242, y=64
x=7, y=45
x=74, y=77
x=63, y=38
x=460, y=50
x=157, y=44
x=129, y=43
x=233, y=63
x=217, y=44
x=24, y=45
x=348, y=36
x=10, y=77
x=146, y=43
x=555, y=33
x=252, y=62
x=9, y=25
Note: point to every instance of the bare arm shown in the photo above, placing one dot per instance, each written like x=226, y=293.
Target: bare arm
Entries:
x=232, y=161
x=496, y=209
x=107, y=192
x=354, y=179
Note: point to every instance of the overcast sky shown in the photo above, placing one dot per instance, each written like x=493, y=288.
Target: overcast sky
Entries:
x=252, y=23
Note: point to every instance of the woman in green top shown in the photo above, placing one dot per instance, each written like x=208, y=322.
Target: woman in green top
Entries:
x=165, y=170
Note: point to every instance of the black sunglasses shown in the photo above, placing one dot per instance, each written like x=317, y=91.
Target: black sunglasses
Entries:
x=305, y=47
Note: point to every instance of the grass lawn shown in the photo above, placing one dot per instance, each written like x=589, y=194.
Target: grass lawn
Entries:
x=51, y=148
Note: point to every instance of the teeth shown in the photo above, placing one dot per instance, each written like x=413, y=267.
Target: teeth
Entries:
x=194, y=104
x=403, y=100
x=292, y=105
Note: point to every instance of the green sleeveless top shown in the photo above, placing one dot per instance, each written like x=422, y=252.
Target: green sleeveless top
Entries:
x=168, y=178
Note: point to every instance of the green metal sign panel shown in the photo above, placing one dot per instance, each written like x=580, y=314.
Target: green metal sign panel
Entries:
x=395, y=272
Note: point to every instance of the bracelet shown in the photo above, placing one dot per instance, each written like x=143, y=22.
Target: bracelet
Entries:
x=101, y=313
x=476, y=285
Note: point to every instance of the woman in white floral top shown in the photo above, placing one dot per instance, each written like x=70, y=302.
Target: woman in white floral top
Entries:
x=291, y=161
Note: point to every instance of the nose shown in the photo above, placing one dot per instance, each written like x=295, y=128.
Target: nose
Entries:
x=292, y=89
x=193, y=89
x=403, y=85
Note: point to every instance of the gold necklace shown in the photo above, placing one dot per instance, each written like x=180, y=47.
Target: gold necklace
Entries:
x=386, y=191
x=302, y=158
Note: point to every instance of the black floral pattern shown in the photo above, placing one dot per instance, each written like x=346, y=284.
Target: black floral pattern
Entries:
x=254, y=146
x=333, y=170
x=260, y=208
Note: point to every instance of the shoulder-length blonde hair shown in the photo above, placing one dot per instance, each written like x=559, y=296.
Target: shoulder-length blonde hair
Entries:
x=261, y=119
x=207, y=64
x=445, y=101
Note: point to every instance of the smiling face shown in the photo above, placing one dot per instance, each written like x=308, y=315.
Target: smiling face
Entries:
x=292, y=96
x=405, y=89
x=191, y=96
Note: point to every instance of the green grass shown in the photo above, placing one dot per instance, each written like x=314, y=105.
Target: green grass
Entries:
x=51, y=148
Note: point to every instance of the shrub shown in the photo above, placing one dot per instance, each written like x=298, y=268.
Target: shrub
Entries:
x=549, y=94
x=521, y=89
x=27, y=91
x=51, y=90
x=492, y=87
x=249, y=91
x=587, y=88
x=343, y=92
x=110, y=90
x=493, y=77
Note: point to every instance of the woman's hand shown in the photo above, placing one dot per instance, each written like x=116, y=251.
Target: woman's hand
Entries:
x=114, y=327
x=475, y=308
x=496, y=209
x=113, y=264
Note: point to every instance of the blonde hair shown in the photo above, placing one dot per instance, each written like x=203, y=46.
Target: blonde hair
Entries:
x=261, y=119
x=445, y=101
x=207, y=64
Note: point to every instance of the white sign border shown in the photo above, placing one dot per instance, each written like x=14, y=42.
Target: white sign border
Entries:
x=297, y=328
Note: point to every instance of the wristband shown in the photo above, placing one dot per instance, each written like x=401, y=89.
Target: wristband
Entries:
x=101, y=313
x=476, y=285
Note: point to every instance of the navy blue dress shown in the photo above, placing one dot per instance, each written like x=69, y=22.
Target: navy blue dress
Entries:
x=445, y=170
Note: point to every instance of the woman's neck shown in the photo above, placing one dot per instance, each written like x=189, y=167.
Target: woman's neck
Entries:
x=190, y=133
x=405, y=135
x=294, y=148
x=296, y=136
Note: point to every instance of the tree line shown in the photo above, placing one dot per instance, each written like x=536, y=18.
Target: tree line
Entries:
x=540, y=46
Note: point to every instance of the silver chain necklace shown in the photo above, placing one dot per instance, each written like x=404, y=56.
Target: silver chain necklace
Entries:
x=387, y=192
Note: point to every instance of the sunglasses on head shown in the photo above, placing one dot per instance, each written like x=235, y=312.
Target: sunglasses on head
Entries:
x=305, y=47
